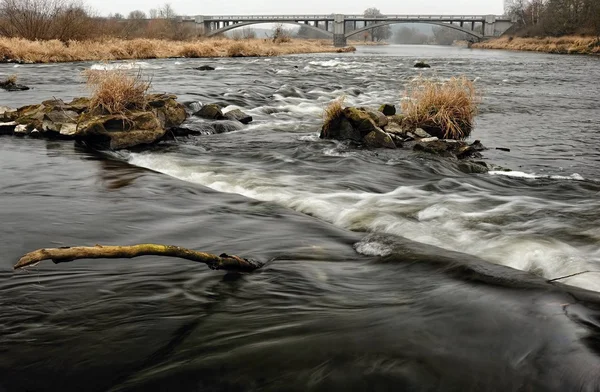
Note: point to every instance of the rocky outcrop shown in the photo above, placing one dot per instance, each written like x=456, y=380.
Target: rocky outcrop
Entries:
x=78, y=120
x=372, y=129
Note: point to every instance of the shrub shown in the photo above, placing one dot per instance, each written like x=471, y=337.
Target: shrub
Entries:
x=449, y=106
x=117, y=91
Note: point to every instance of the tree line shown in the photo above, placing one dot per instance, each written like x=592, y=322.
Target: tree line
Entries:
x=556, y=17
x=67, y=20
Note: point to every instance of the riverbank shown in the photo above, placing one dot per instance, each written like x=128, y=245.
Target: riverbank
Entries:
x=54, y=51
x=559, y=45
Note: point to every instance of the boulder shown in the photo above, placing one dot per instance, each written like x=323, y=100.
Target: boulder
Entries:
x=118, y=131
x=388, y=110
x=379, y=139
x=360, y=120
x=21, y=130
x=238, y=115
x=204, y=68
x=422, y=64
x=211, y=112
x=61, y=122
x=170, y=113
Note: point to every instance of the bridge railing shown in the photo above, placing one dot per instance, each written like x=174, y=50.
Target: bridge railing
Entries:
x=270, y=17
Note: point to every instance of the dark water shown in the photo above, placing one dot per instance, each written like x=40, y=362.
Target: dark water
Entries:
x=388, y=270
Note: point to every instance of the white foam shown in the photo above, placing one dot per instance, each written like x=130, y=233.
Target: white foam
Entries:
x=519, y=174
x=472, y=221
x=373, y=248
x=124, y=65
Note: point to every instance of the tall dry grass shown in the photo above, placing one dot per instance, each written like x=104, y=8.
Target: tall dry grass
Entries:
x=116, y=91
x=333, y=113
x=448, y=105
x=560, y=45
x=22, y=50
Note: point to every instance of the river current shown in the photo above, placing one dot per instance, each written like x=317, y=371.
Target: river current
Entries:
x=387, y=270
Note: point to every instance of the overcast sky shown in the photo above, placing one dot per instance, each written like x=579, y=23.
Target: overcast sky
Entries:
x=238, y=7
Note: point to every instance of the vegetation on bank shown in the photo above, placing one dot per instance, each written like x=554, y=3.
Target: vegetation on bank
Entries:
x=560, y=45
x=53, y=51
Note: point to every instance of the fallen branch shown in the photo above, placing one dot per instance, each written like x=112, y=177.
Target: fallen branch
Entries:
x=64, y=255
x=572, y=275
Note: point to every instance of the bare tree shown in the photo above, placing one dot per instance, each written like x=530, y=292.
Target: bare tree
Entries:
x=136, y=15
x=43, y=19
x=378, y=33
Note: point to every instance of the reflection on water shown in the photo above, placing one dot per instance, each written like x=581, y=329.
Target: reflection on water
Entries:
x=335, y=308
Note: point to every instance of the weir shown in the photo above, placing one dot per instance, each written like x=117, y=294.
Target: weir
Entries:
x=341, y=27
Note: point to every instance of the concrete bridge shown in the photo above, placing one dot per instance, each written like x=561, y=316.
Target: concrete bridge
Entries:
x=341, y=27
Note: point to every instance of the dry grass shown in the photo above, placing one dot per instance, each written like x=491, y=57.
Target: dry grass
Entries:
x=116, y=91
x=11, y=79
x=333, y=112
x=450, y=105
x=561, y=45
x=18, y=49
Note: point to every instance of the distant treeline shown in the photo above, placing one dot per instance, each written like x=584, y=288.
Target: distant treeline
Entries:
x=67, y=20
x=556, y=17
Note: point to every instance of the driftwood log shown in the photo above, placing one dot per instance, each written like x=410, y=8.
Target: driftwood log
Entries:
x=64, y=255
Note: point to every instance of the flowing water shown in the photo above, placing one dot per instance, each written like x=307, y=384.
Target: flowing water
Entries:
x=387, y=270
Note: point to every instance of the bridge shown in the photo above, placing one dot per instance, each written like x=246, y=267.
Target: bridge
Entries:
x=341, y=27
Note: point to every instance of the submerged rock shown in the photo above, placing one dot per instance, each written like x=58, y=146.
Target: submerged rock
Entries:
x=238, y=115
x=205, y=68
x=11, y=85
x=211, y=111
x=422, y=64
x=450, y=148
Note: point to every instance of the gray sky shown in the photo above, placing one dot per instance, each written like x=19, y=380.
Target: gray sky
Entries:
x=235, y=7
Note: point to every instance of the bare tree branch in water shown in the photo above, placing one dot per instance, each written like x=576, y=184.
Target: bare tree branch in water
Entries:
x=64, y=255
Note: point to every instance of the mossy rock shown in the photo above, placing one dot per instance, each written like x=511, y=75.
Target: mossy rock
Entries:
x=360, y=120
x=379, y=139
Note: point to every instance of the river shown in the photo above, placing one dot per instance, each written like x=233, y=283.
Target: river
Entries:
x=386, y=270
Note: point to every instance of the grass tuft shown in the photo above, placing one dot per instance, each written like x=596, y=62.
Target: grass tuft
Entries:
x=450, y=106
x=117, y=91
x=332, y=113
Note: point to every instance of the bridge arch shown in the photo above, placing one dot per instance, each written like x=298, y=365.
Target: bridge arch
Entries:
x=283, y=22
x=451, y=26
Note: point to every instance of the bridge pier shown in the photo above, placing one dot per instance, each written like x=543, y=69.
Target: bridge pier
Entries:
x=339, y=31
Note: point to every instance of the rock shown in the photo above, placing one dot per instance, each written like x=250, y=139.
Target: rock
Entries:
x=204, y=68
x=503, y=149
x=7, y=128
x=348, y=132
x=420, y=132
x=118, y=132
x=79, y=104
x=211, y=112
x=398, y=141
x=422, y=64
x=436, y=147
x=360, y=120
x=238, y=115
x=201, y=127
x=388, y=110
x=10, y=85
x=6, y=113
x=395, y=129
x=61, y=122
x=169, y=112
x=379, y=118
x=429, y=139
x=377, y=138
